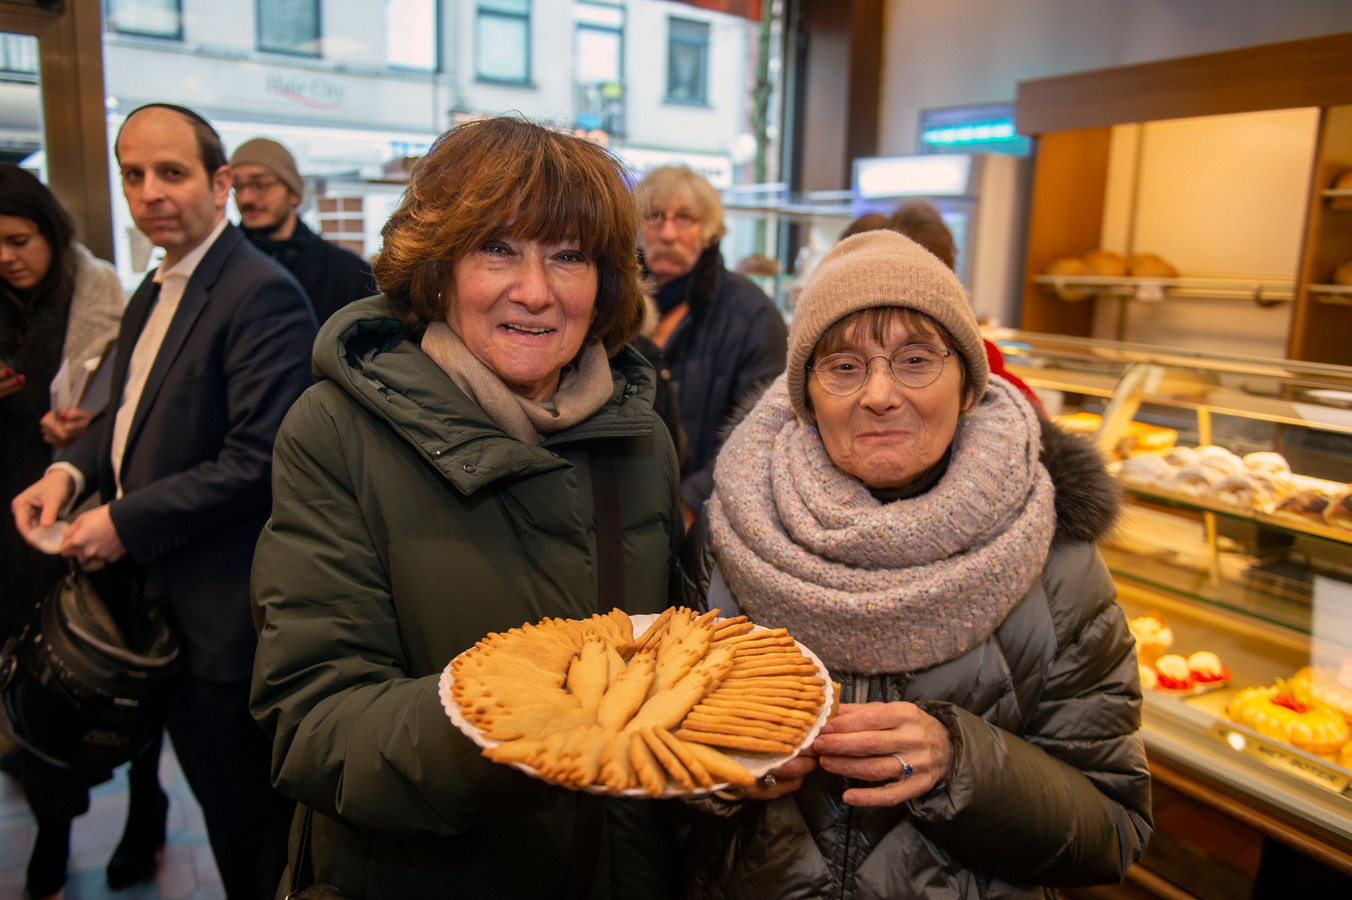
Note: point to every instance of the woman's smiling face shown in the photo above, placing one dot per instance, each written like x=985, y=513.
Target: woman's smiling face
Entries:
x=523, y=308
x=886, y=434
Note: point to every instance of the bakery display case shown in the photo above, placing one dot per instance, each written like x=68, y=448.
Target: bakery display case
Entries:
x=1233, y=562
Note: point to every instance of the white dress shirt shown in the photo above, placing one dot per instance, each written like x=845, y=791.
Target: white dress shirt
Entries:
x=173, y=282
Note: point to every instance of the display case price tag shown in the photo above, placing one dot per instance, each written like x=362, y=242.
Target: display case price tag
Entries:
x=1326, y=776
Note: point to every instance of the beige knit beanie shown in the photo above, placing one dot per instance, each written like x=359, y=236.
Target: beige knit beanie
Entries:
x=272, y=156
x=880, y=268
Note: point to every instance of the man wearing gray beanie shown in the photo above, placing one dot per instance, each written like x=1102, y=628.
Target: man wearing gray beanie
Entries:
x=268, y=191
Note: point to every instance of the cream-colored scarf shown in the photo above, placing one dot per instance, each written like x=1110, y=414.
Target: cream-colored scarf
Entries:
x=583, y=387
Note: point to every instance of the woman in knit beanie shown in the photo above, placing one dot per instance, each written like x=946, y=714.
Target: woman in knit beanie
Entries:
x=912, y=521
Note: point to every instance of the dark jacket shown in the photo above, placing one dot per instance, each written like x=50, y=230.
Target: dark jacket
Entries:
x=406, y=526
x=1049, y=785
x=332, y=276
x=731, y=342
x=197, y=467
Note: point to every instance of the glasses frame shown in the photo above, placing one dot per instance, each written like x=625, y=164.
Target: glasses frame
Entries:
x=256, y=185
x=868, y=368
x=656, y=220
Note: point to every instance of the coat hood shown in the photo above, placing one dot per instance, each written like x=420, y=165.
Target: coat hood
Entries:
x=362, y=349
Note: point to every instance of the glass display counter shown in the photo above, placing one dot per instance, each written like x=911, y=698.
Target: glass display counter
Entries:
x=1236, y=541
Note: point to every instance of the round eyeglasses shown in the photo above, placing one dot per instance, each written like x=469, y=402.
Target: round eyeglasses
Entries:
x=915, y=366
x=682, y=220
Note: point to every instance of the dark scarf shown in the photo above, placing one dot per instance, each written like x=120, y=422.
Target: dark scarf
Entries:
x=696, y=287
x=33, y=334
x=285, y=252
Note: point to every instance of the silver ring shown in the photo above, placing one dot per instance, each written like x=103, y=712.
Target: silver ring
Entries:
x=769, y=779
x=906, y=769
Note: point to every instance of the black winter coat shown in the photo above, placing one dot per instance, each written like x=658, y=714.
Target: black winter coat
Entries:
x=730, y=345
x=332, y=276
x=1049, y=785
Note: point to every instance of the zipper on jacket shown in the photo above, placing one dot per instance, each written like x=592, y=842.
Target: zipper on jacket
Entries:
x=858, y=693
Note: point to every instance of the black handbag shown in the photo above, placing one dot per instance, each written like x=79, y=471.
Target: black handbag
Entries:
x=89, y=682
x=303, y=885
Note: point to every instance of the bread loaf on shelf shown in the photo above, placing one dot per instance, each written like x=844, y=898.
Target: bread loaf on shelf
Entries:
x=1105, y=263
x=1149, y=265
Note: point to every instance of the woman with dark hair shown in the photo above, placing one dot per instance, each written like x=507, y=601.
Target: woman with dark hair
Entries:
x=931, y=538
x=447, y=477
x=59, y=307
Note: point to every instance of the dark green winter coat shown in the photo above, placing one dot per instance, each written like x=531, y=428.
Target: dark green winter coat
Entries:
x=406, y=525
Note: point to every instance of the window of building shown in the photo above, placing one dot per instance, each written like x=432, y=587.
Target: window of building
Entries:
x=502, y=41
x=18, y=54
x=687, y=61
x=598, y=67
x=158, y=18
x=289, y=26
x=411, y=30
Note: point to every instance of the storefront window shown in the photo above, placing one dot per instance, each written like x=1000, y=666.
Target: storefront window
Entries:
x=411, y=29
x=289, y=26
x=687, y=60
x=502, y=41
x=20, y=102
x=18, y=54
x=158, y=18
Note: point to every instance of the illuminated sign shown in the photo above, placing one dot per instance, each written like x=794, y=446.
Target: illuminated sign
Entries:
x=932, y=175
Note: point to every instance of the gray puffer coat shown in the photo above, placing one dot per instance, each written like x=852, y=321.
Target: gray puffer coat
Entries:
x=1048, y=786
x=406, y=525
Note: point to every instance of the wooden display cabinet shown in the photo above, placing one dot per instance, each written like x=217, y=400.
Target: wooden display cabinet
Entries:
x=1238, y=814
x=1072, y=117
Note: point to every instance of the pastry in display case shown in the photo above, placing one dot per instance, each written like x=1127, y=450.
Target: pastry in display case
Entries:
x=1233, y=561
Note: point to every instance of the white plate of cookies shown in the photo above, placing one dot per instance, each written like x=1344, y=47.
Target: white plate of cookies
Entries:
x=679, y=704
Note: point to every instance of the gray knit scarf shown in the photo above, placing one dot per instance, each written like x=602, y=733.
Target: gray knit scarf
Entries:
x=882, y=587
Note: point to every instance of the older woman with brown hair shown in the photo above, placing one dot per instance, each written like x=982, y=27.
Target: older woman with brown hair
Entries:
x=914, y=522
x=459, y=469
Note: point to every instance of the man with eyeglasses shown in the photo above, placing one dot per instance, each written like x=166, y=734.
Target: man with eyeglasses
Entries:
x=268, y=191
x=722, y=338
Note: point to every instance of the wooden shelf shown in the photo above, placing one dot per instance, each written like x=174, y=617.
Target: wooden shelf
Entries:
x=1147, y=290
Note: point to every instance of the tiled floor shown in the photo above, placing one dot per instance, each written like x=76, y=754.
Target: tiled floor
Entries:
x=187, y=871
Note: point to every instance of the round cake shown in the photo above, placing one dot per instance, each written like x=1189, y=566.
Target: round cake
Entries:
x=1244, y=491
x=1206, y=668
x=1173, y=673
x=1180, y=456
x=1153, y=637
x=1322, y=685
x=1267, y=462
x=1275, y=713
x=1145, y=470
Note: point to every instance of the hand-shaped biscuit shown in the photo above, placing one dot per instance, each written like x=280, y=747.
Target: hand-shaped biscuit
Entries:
x=627, y=693
x=588, y=676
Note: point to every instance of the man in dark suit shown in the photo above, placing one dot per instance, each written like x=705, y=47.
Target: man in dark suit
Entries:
x=214, y=348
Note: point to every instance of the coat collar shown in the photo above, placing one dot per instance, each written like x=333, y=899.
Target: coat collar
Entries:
x=363, y=351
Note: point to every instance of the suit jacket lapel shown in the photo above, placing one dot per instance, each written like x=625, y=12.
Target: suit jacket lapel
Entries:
x=133, y=323
x=190, y=307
